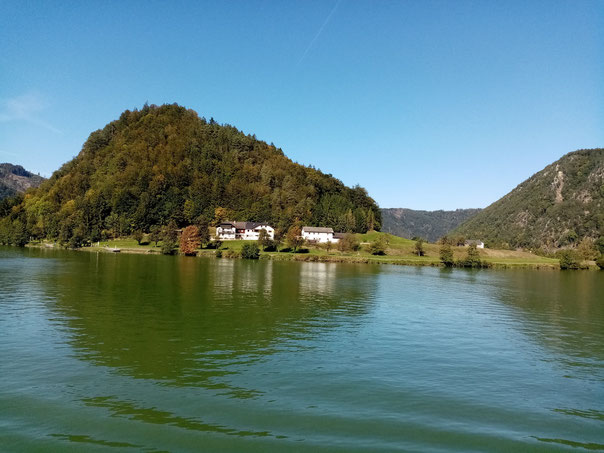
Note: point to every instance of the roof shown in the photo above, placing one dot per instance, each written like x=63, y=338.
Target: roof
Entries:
x=473, y=242
x=339, y=235
x=317, y=229
x=243, y=225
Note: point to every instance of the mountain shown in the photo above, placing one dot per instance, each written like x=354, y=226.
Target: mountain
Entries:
x=430, y=225
x=15, y=179
x=558, y=206
x=162, y=164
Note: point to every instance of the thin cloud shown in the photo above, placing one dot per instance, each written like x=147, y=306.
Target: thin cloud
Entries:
x=333, y=10
x=26, y=108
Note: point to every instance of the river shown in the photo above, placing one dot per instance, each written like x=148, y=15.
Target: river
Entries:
x=110, y=352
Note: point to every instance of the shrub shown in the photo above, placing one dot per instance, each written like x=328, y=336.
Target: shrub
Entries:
x=569, y=259
x=218, y=254
x=348, y=243
x=215, y=244
x=600, y=262
x=167, y=247
x=377, y=247
x=419, y=247
x=472, y=258
x=250, y=251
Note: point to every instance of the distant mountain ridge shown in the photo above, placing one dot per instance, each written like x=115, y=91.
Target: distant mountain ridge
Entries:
x=558, y=206
x=430, y=225
x=16, y=179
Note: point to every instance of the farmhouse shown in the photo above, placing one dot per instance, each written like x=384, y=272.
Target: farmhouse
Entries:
x=248, y=231
x=320, y=234
x=476, y=242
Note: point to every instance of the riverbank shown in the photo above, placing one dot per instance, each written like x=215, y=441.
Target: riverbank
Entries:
x=399, y=251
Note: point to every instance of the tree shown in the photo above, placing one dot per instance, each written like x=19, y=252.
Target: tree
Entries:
x=189, y=240
x=264, y=239
x=370, y=220
x=19, y=235
x=294, y=237
x=587, y=249
x=419, y=247
x=204, y=230
x=446, y=255
x=155, y=235
x=348, y=243
x=250, y=251
x=170, y=233
x=138, y=236
x=169, y=238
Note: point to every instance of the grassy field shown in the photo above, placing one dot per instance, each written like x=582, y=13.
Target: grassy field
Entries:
x=398, y=251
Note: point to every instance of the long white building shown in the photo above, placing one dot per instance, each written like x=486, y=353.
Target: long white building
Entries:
x=320, y=234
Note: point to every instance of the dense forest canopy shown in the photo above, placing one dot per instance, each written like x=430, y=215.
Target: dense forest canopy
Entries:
x=162, y=164
x=559, y=206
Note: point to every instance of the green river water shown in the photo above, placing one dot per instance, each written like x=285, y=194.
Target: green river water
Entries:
x=109, y=352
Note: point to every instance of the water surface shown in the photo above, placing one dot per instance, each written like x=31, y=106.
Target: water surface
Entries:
x=102, y=352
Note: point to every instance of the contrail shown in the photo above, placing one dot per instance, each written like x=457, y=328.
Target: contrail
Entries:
x=319, y=32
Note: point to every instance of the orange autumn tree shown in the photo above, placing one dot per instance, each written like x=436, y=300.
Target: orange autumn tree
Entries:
x=190, y=240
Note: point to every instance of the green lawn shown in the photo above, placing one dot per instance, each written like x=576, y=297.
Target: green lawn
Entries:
x=399, y=251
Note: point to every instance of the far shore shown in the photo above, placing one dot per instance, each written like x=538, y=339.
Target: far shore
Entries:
x=399, y=252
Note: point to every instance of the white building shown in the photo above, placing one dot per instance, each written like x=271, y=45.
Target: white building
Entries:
x=248, y=231
x=319, y=234
x=476, y=242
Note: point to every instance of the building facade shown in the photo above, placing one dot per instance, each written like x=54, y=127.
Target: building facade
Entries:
x=247, y=231
x=319, y=235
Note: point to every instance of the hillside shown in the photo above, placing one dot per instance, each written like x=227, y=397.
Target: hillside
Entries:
x=558, y=206
x=15, y=179
x=430, y=225
x=162, y=164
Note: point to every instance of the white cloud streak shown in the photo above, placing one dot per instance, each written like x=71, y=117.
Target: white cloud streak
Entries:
x=27, y=108
x=319, y=32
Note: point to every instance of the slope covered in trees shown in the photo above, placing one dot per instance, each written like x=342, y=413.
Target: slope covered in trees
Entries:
x=558, y=206
x=430, y=225
x=163, y=164
x=15, y=179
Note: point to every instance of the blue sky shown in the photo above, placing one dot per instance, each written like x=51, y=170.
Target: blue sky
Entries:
x=429, y=105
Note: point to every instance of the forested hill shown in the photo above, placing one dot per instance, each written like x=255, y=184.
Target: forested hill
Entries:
x=166, y=163
x=558, y=206
x=15, y=179
x=430, y=225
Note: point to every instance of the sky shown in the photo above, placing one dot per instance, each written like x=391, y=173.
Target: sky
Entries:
x=427, y=104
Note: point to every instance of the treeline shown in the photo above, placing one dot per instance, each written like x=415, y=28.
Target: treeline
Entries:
x=166, y=164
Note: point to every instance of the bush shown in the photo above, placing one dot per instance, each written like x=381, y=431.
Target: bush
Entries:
x=218, y=254
x=419, y=247
x=377, y=247
x=472, y=258
x=569, y=259
x=215, y=245
x=348, y=243
x=250, y=251
x=600, y=262
x=167, y=247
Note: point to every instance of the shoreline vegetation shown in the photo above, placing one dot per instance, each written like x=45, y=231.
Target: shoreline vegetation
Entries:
x=396, y=251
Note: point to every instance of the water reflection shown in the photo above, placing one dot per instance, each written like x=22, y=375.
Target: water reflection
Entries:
x=194, y=322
